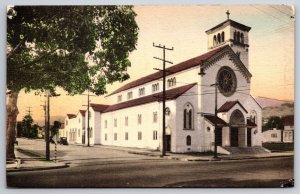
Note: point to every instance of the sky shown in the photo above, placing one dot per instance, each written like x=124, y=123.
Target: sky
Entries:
x=271, y=51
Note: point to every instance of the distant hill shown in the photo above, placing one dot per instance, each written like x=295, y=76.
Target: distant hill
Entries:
x=270, y=102
x=282, y=110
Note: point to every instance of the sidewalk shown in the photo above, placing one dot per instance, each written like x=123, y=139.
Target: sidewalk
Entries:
x=27, y=161
x=198, y=156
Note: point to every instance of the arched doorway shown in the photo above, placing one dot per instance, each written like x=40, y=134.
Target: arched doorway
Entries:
x=237, y=128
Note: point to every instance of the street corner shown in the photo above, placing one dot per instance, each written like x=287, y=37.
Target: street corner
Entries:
x=34, y=165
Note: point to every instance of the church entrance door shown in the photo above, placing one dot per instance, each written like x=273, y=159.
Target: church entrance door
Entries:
x=168, y=143
x=219, y=136
x=249, y=137
x=234, y=137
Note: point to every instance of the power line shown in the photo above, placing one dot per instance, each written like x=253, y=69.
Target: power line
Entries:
x=290, y=16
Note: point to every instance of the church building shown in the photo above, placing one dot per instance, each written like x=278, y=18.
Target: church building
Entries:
x=135, y=117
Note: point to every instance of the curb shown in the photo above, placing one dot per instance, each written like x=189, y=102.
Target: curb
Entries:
x=210, y=159
x=36, y=169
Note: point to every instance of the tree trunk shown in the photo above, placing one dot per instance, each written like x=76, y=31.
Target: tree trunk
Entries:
x=11, y=122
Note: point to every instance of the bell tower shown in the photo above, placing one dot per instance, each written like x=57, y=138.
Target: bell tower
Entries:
x=233, y=34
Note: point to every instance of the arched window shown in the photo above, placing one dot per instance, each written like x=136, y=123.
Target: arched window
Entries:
x=188, y=116
x=223, y=36
x=234, y=36
x=219, y=38
x=188, y=140
x=215, y=40
x=173, y=81
x=242, y=38
x=238, y=36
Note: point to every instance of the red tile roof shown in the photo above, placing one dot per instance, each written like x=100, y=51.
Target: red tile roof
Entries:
x=82, y=112
x=170, y=94
x=228, y=105
x=288, y=120
x=71, y=116
x=213, y=119
x=171, y=70
x=99, y=107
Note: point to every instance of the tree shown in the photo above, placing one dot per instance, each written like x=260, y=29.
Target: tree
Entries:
x=72, y=47
x=56, y=126
x=273, y=122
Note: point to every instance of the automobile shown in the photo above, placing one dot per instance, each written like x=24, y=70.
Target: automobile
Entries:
x=63, y=141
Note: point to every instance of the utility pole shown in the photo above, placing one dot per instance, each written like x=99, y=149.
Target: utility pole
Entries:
x=88, y=118
x=47, y=126
x=45, y=111
x=88, y=115
x=164, y=94
x=215, y=124
x=29, y=111
x=202, y=73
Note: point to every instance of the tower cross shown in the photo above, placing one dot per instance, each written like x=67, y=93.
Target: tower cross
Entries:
x=228, y=13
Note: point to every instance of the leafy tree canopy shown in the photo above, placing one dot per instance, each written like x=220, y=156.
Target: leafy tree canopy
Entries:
x=73, y=47
x=273, y=122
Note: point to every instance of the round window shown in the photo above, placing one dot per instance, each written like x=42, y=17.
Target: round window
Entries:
x=208, y=129
x=226, y=81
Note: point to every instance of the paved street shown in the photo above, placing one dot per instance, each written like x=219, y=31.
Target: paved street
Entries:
x=113, y=168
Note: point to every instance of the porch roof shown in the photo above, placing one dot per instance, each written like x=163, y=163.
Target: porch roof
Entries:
x=229, y=104
x=215, y=120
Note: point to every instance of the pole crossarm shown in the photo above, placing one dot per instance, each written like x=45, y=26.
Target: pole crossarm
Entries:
x=164, y=142
x=163, y=60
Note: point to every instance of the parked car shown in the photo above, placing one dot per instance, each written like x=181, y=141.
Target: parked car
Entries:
x=63, y=141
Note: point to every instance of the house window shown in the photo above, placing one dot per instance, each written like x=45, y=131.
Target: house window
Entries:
x=208, y=129
x=154, y=135
x=120, y=98
x=188, y=140
x=78, y=133
x=105, y=124
x=66, y=122
x=274, y=135
x=188, y=116
x=126, y=121
x=105, y=136
x=155, y=87
x=141, y=91
x=126, y=136
x=115, y=136
x=139, y=135
x=154, y=117
x=139, y=119
x=78, y=120
x=129, y=95
x=290, y=136
x=115, y=122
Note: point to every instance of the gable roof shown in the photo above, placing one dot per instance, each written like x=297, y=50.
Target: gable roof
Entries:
x=170, y=95
x=99, y=107
x=71, y=116
x=215, y=120
x=82, y=112
x=171, y=70
x=232, y=23
x=229, y=104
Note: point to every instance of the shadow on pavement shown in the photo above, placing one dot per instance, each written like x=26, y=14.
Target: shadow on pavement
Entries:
x=228, y=183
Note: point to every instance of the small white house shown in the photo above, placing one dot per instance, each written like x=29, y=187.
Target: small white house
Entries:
x=288, y=132
x=272, y=136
